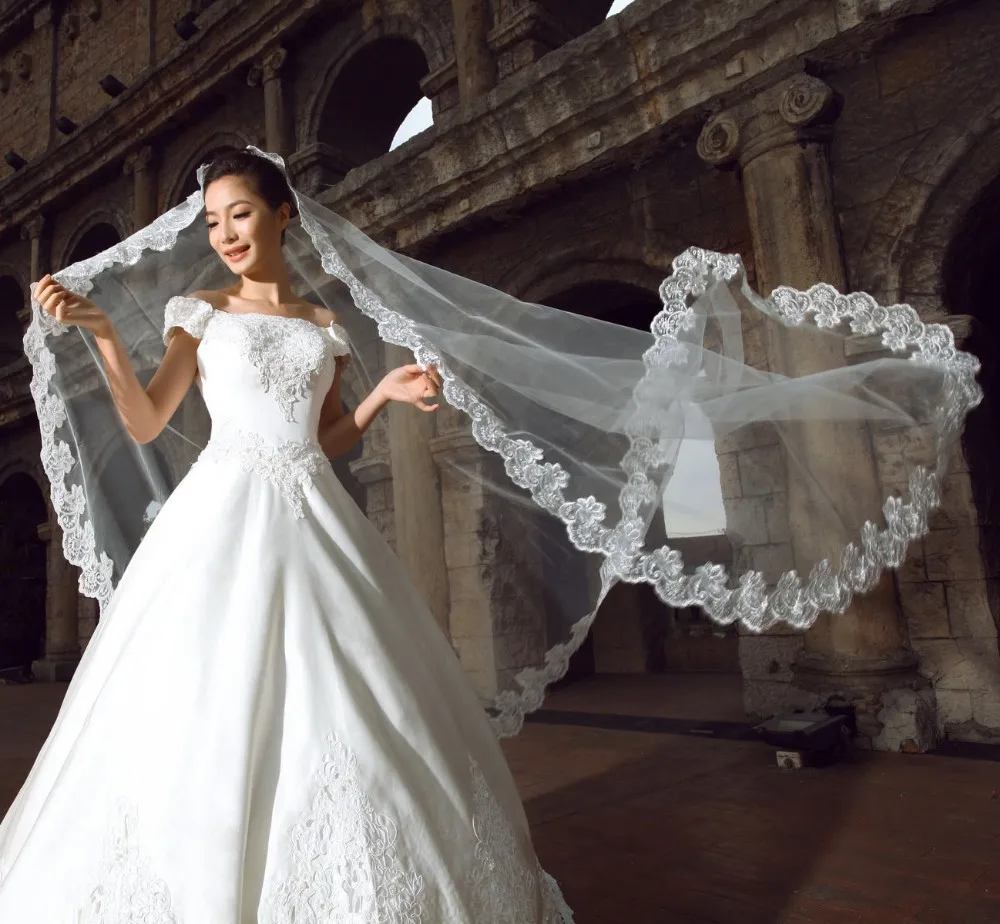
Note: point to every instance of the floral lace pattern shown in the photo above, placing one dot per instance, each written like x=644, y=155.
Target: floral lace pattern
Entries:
x=190, y=314
x=286, y=352
x=503, y=885
x=290, y=465
x=344, y=857
x=620, y=545
x=127, y=892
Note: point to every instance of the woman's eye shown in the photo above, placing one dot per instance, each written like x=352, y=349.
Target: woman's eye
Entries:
x=241, y=215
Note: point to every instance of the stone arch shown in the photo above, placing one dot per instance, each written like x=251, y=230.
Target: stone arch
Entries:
x=536, y=283
x=387, y=63
x=183, y=180
x=904, y=250
x=101, y=229
x=634, y=631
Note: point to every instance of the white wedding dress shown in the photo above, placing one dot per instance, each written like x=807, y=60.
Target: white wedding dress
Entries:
x=268, y=726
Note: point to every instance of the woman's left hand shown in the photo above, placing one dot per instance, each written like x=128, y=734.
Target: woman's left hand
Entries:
x=410, y=385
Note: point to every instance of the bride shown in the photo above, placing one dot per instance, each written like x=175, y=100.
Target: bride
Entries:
x=268, y=724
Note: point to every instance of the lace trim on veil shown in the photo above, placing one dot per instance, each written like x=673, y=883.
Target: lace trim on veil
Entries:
x=827, y=590
x=694, y=270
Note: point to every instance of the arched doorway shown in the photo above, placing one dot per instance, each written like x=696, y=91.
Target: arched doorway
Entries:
x=969, y=289
x=634, y=631
x=96, y=238
x=369, y=99
x=22, y=572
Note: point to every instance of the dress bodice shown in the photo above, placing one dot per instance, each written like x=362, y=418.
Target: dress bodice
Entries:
x=261, y=373
x=263, y=378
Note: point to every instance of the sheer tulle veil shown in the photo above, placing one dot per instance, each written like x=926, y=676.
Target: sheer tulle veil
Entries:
x=591, y=454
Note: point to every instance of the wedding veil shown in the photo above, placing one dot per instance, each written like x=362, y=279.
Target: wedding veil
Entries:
x=588, y=453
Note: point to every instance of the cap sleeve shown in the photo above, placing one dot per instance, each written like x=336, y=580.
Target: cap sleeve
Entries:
x=341, y=343
x=190, y=314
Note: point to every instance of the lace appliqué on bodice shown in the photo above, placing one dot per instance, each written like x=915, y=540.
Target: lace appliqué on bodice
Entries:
x=286, y=352
x=127, y=892
x=345, y=866
x=290, y=465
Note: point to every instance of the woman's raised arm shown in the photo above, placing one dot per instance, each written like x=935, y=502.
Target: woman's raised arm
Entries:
x=144, y=411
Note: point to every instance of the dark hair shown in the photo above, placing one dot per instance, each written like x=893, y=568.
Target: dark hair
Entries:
x=267, y=177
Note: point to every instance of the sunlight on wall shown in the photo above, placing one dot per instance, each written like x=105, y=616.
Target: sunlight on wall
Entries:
x=419, y=119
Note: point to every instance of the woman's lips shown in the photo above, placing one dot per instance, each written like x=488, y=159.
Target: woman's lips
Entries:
x=240, y=255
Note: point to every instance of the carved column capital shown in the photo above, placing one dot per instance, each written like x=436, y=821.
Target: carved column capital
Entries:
x=801, y=108
x=267, y=66
x=138, y=160
x=34, y=228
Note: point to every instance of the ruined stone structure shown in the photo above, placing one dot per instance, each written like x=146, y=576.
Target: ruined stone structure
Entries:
x=855, y=142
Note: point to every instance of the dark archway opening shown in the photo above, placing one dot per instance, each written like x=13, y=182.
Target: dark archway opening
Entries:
x=969, y=289
x=22, y=572
x=12, y=301
x=635, y=632
x=370, y=98
x=95, y=239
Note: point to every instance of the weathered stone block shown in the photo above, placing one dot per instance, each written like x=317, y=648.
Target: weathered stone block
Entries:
x=953, y=554
x=925, y=609
x=969, y=610
x=769, y=657
x=957, y=505
x=764, y=698
x=986, y=707
x=750, y=436
x=746, y=520
x=909, y=721
x=729, y=472
x=954, y=707
x=762, y=471
x=467, y=585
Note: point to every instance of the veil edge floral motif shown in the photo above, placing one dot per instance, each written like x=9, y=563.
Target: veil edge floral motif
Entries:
x=826, y=590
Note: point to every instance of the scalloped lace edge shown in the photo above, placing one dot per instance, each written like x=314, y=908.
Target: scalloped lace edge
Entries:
x=827, y=590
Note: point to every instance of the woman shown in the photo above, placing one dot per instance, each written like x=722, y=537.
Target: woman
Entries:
x=268, y=724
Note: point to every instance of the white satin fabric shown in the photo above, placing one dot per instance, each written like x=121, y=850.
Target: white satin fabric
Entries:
x=268, y=725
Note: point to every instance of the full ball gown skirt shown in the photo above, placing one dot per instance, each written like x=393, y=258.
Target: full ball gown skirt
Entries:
x=268, y=725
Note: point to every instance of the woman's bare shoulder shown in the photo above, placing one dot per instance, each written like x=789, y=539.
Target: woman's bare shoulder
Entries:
x=322, y=316
x=214, y=297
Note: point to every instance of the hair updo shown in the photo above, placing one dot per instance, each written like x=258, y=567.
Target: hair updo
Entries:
x=267, y=177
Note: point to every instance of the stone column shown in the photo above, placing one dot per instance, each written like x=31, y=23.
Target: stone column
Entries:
x=780, y=141
x=145, y=30
x=62, y=643
x=38, y=230
x=417, y=497
x=524, y=31
x=278, y=111
x=141, y=165
x=375, y=473
x=45, y=22
x=477, y=69
x=89, y=612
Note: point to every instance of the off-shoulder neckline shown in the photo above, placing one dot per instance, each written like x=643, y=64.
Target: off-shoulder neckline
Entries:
x=259, y=314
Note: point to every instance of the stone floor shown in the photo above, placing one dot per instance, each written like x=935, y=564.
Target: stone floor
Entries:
x=696, y=825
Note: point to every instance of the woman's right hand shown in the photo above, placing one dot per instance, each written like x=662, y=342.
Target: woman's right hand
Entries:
x=70, y=308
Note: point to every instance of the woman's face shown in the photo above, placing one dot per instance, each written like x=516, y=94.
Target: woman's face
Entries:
x=242, y=229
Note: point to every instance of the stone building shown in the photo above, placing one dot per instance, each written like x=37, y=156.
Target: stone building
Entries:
x=855, y=142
